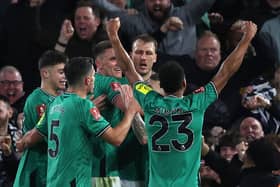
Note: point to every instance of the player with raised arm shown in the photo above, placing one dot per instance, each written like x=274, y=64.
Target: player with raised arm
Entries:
x=173, y=121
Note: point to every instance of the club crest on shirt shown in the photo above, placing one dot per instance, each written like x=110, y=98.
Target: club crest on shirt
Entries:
x=143, y=88
x=41, y=109
x=115, y=86
x=95, y=113
x=199, y=90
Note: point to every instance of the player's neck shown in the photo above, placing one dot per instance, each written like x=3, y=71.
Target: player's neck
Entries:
x=179, y=94
x=147, y=77
x=48, y=89
x=79, y=91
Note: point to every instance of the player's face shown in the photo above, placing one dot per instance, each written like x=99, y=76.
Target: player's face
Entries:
x=108, y=64
x=86, y=23
x=144, y=56
x=4, y=114
x=91, y=81
x=57, y=76
x=208, y=54
x=251, y=129
x=158, y=9
x=11, y=85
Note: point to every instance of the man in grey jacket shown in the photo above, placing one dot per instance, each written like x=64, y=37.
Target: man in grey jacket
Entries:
x=173, y=27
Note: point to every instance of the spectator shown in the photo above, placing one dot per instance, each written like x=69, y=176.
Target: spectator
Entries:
x=12, y=87
x=227, y=146
x=262, y=157
x=250, y=129
x=178, y=37
x=87, y=31
x=257, y=100
x=8, y=154
x=28, y=30
x=269, y=40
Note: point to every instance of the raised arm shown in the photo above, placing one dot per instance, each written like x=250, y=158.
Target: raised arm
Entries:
x=232, y=63
x=123, y=59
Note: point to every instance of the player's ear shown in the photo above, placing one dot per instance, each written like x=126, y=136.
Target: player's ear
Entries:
x=87, y=81
x=44, y=72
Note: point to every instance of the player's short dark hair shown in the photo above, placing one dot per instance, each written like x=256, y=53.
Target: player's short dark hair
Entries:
x=51, y=58
x=101, y=47
x=77, y=68
x=171, y=76
x=146, y=39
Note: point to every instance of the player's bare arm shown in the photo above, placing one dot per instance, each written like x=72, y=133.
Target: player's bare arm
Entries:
x=117, y=134
x=30, y=139
x=234, y=60
x=138, y=127
x=124, y=60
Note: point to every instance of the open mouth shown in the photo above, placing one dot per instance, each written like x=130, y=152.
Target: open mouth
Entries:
x=11, y=94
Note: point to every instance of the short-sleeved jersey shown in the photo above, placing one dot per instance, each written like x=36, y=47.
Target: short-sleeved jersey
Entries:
x=104, y=165
x=33, y=164
x=174, y=129
x=71, y=120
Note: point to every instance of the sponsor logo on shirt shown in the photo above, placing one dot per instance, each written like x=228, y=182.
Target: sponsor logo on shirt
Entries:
x=199, y=90
x=143, y=88
x=41, y=110
x=115, y=86
x=95, y=113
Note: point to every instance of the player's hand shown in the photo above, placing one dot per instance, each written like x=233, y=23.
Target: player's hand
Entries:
x=5, y=145
x=20, y=145
x=172, y=24
x=99, y=102
x=249, y=30
x=112, y=26
x=66, y=32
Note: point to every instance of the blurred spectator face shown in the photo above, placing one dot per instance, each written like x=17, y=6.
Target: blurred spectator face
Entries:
x=11, y=85
x=56, y=76
x=158, y=9
x=144, y=56
x=119, y=3
x=227, y=152
x=5, y=113
x=251, y=129
x=107, y=64
x=206, y=171
x=208, y=53
x=273, y=3
x=86, y=22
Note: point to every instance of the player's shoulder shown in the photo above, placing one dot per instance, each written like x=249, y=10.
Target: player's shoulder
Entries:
x=142, y=87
